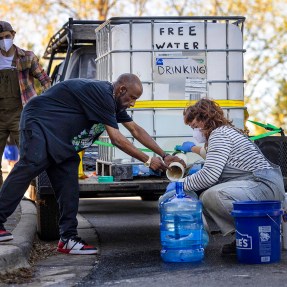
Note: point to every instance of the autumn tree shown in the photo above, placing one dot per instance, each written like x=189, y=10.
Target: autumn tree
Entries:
x=265, y=37
x=43, y=16
x=265, y=41
x=139, y=6
x=279, y=110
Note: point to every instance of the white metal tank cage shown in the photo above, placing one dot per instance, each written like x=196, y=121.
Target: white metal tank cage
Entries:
x=179, y=60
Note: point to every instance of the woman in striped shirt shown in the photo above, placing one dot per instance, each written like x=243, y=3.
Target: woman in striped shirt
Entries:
x=234, y=169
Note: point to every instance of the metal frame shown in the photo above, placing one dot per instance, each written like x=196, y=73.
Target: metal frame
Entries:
x=105, y=54
x=68, y=39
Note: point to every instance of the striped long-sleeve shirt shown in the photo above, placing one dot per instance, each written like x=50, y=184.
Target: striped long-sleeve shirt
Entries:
x=226, y=146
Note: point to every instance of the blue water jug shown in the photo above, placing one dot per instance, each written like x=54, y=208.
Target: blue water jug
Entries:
x=182, y=233
x=171, y=191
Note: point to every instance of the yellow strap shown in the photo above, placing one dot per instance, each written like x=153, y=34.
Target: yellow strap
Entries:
x=184, y=104
x=81, y=173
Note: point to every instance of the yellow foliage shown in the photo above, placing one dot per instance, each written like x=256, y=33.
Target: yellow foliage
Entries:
x=265, y=37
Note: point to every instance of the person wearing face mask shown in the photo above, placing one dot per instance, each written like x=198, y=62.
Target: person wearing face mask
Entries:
x=18, y=68
x=192, y=147
x=234, y=168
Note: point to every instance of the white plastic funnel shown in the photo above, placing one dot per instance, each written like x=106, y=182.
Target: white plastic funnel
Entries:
x=177, y=170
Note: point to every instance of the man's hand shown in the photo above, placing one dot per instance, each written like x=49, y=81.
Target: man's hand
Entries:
x=171, y=158
x=185, y=147
x=158, y=164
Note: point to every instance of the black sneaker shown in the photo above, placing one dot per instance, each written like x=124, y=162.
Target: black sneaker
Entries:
x=75, y=245
x=5, y=235
x=229, y=249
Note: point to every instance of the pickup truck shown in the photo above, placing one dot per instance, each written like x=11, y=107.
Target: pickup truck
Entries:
x=179, y=60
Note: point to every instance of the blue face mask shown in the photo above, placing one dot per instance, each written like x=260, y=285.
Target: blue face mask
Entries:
x=198, y=135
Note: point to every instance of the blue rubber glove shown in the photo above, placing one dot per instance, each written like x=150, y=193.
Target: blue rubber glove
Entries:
x=171, y=186
x=185, y=147
x=194, y=169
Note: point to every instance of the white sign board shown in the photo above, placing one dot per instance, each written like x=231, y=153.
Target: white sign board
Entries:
x=180, y=75
x=184, y=73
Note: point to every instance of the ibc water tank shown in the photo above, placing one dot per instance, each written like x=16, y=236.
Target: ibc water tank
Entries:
x=178, y=59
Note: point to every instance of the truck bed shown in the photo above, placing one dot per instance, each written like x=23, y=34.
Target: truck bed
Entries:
x=90, y=187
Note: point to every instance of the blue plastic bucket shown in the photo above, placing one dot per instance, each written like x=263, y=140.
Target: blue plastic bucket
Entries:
x=257, y=225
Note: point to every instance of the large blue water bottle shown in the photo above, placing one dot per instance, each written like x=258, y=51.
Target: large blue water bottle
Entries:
x=182, y=233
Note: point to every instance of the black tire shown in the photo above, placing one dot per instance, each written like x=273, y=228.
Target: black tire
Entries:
x=47, y=217
x=150, y=197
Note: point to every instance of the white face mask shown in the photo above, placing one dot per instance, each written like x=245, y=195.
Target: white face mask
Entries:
x=6, y=44
x=199, y=136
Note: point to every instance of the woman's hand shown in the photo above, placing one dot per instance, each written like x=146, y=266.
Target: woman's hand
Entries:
x=185, y=147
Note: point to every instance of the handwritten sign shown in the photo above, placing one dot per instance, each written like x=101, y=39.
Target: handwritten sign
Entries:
x=184, y=36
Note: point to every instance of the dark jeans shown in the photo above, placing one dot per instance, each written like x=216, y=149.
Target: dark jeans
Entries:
x=63, y=177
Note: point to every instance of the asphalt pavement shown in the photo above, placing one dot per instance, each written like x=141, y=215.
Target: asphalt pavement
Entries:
x=130, y=252
x=65, y=270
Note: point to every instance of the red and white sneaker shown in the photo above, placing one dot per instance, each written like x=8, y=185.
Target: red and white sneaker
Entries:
x=75, y=245
x=5, y=235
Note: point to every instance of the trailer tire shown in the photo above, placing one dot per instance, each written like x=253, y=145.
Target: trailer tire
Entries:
x=47, y=217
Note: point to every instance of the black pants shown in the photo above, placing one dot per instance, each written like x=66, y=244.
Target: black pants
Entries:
x=63, y=176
